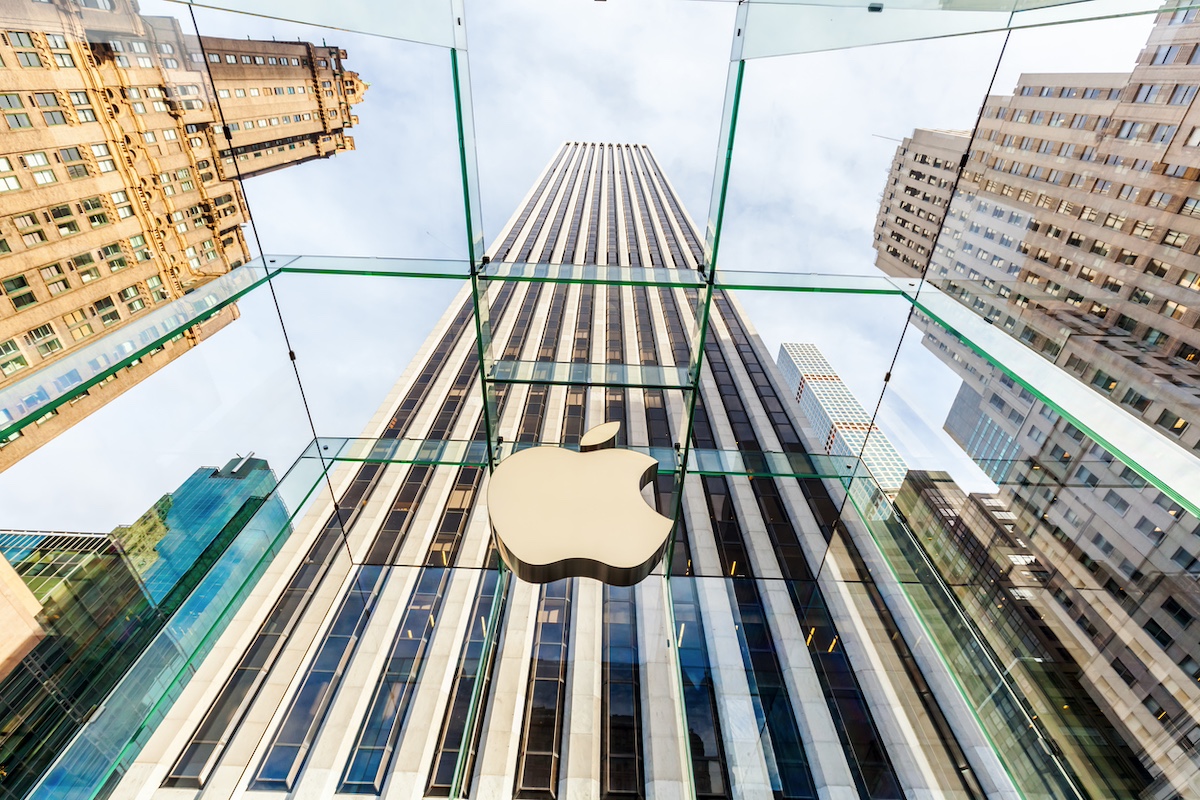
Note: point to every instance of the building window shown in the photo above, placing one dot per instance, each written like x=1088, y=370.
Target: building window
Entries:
x=1171, y=423
x=621, y=732
x=44, y=339
x=1177, y=612
x=1087, y=477
x=19, y=292
x=1151, y=627
x=1150, y=530
x=1165, y=55
x=1182, y=95
x=1129, y=130
x=542, y=729
x=1117, y=502
x=1104, y=382
x=11, y=359
x=1147, y=93
x=1173, y=238
x=1156, y=268
x=1163, y=133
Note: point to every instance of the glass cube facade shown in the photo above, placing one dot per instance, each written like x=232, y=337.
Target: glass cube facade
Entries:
x=274, y=227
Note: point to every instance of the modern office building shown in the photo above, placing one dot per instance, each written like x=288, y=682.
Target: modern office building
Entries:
x=778, y=656
x=93, y=604
x=841, y=424
x=118, y=188
x=1074, y=228
x=1001, y=583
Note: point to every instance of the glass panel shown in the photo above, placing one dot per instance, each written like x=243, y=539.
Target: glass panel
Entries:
x=111, y=738
x=39, y=394
x=429, y=23
x=782, y=28
x=1152, y=457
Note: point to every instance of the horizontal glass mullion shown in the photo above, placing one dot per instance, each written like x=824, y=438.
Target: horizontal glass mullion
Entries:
x=771, y=464
x=560, y=373
x=446, y=452
x=452, y=269
x=49, y=387
x=727, y=278
x=595, y=274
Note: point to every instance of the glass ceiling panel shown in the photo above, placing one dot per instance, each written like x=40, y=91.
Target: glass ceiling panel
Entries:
x=424, y=21
x=46, y=389
x=775, y=28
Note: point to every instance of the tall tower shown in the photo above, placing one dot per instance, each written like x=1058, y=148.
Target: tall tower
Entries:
x=118, y=183
x=392, y=656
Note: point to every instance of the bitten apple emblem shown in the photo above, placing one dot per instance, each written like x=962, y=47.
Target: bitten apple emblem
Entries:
x=560, y=514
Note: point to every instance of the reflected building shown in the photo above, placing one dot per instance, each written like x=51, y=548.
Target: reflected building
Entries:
x=975, y=543
x=93, y=603
x=1074, y=228
x=124, y=142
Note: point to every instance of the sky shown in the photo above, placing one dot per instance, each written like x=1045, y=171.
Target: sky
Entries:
x=815, y=138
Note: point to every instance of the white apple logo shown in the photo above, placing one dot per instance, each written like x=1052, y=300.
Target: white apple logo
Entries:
x=560, y=514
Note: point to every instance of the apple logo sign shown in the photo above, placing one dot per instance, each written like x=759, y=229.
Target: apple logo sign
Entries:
x=558, y=514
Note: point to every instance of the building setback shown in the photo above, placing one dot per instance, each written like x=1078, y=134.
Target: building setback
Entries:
x=1075, y=229
x=118, y=184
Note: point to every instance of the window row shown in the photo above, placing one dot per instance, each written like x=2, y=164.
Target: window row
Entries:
x=266, y=91
x=283, y=61
x=76, y=271
x=1070, y=92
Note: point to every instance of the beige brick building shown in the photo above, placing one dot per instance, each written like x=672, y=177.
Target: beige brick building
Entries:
x=118, y=183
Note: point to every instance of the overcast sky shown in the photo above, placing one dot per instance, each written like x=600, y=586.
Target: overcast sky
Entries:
x=815, y=139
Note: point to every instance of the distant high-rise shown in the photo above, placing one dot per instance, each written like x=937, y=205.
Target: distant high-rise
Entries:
x=1075, y=228
x=842, y=425
x=118, y=188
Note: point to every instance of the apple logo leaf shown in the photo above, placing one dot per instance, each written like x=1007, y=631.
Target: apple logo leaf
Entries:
x=557, y=513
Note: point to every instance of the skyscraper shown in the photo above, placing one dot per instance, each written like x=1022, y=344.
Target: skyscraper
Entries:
x=394, y=657
x=841, y=424
x=1073, y=227
x=100, y=601
x=118, y=181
